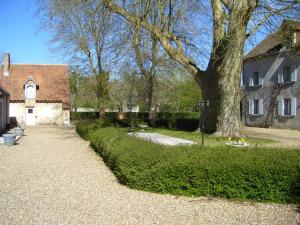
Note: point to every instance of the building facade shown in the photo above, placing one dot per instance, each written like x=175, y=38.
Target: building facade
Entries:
x=271, y=80
x=39, y=94
x=4, y=109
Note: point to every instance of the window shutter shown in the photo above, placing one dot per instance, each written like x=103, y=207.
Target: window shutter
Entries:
x=261, y=106
x=294, y=73
x=280, y=106
x=280, y=75
x=251, y=105
x=251, y=79
x=293, y=106
x=242, y=79
x=261, y=79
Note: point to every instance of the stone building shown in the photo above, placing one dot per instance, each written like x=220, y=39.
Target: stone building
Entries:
x=271, y=80
x=39, y=94
x=4, y=107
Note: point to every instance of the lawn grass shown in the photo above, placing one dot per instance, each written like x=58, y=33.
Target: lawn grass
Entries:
x=258, y=173
x=210, y=140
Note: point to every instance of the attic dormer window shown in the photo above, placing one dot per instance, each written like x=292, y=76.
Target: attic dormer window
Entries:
x=30, y=87
x=30, y=92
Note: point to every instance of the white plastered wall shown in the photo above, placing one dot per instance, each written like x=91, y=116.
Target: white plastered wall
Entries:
x=66, y=117
x=17, y=110
x=45, y=114
x=49, y=113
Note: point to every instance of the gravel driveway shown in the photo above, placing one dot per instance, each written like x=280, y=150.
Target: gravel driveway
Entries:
x=285, y=137
x=53, y=177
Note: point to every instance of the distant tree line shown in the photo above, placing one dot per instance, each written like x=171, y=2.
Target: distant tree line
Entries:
x=171, y=94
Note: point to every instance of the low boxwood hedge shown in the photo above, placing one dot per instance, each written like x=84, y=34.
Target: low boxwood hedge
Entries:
x=84, y=127
x=262, y=174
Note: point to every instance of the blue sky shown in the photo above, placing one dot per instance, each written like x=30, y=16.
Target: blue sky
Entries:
x=20, y=34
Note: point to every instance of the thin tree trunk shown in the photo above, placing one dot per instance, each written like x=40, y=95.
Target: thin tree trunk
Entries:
x=150, y=98
x=101, y=107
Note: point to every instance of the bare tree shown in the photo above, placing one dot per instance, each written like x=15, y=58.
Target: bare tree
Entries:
x=220, y=81
x=74, y=79
x=141, y=56
x=85, y=32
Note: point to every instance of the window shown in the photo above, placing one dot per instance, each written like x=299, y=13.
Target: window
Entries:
x=256, y=78
x=287, y=106
x=256, y=107
x=286, y=74
x=30, y=92
x=30, y=110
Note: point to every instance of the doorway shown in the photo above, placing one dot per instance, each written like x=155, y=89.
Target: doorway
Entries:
x=30, y=116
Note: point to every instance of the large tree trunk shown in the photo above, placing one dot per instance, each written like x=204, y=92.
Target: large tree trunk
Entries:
x=209, y=87
x=228, y=66
x=229, y=123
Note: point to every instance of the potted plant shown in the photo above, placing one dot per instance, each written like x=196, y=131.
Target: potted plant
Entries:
x=237, y=141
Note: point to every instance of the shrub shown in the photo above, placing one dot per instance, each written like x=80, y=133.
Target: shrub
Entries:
x=84, y=127
x=84, y=115
x=183, y=121
x=256, y=174
x=180, y=121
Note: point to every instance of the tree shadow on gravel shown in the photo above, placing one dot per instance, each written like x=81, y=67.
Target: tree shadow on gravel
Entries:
x=298, y=209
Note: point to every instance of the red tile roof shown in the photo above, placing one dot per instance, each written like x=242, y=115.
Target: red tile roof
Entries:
x=3, y=91
x=53, y=81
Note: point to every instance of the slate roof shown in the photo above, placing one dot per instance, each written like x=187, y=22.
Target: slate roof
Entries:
x=53, y=82
x=273, y=42
x=270, y=42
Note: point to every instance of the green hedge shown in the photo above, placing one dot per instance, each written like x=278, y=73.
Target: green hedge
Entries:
x=84, y=115
x=84, y=127
x=256, y=174
x=182, y=121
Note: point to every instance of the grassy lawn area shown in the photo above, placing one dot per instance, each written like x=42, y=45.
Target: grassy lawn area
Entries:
x=209, y=140
x=259, y=174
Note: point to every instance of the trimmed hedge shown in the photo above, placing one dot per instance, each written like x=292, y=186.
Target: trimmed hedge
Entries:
x=84, y=115
x=84, y=127
x=270, y=175
x=181, y=121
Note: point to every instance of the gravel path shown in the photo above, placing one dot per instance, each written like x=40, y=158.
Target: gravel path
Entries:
x=53, y=177
x=162, y=139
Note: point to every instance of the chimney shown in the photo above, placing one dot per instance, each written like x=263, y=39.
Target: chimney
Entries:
x=6, y=64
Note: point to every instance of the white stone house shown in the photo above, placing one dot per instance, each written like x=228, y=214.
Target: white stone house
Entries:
x=39, y=93
x=271, y=80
